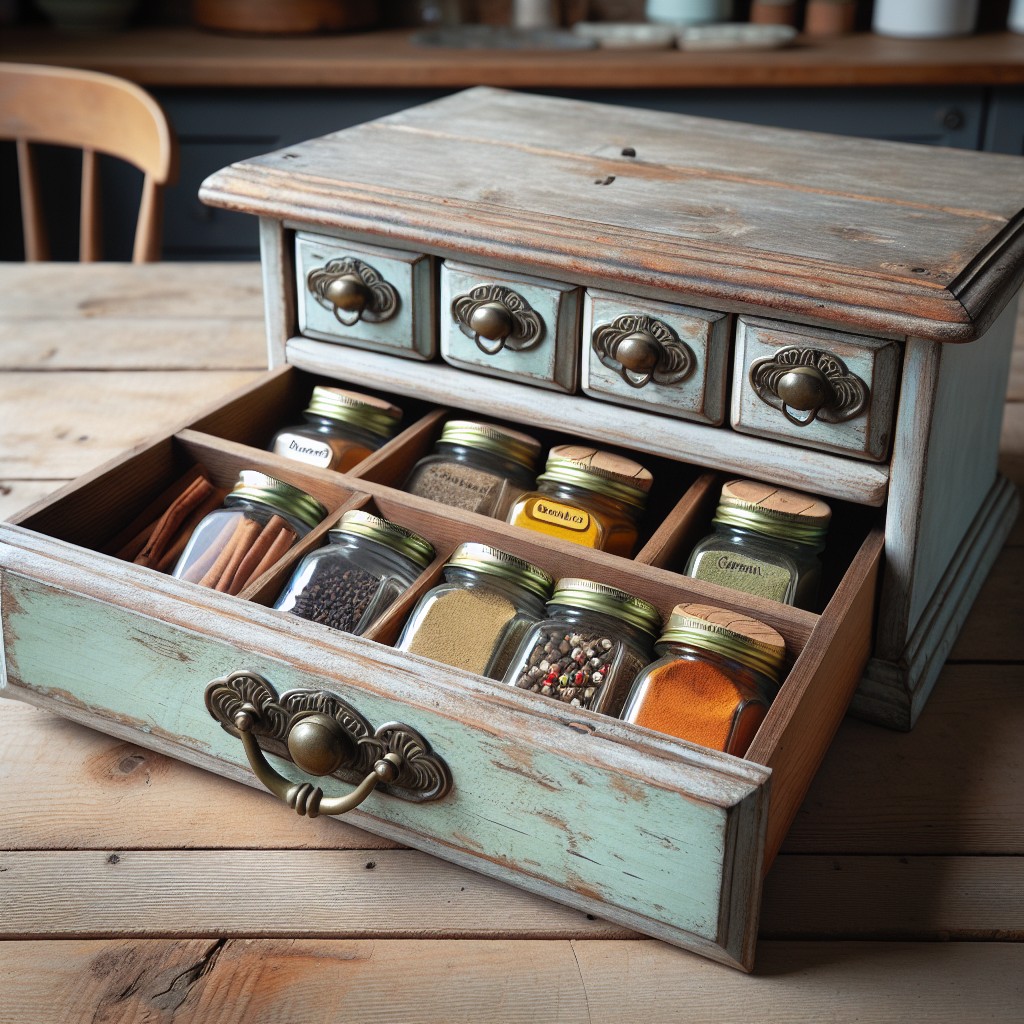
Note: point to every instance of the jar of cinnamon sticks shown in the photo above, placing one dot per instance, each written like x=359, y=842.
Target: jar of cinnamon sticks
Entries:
x=261, y=519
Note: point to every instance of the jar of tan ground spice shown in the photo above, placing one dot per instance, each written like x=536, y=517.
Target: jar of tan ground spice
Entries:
x=341, y=429
x=766, y=541
x=714, y=681
x=590, y=647
x=476, y=618
x=589, y=497
x=477, y=467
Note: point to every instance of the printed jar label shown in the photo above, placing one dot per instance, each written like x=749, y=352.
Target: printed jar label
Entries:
x=304, y=449
x=738, y=572
x=554, y=512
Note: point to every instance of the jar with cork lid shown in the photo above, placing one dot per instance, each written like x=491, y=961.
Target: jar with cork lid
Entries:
x=476, y=618
x=715, y=678
x=589, y=497
x=261, y=519
x=589, y=649
x=356, y=576
x=478, y=467
x=766, y=541
x=341, y=429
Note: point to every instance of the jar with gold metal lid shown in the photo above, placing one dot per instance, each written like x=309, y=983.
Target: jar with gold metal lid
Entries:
x=766, y=541
x=261, y=519
x=589, y=497
x=590, y=647
x=478, y=467
x=476, y=618
x=715, y=678
x=356, y=576
x=341, y=429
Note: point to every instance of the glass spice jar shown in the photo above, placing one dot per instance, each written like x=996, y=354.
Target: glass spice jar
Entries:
x=351, y=581
x=590, y=647
x=766, y=541
x=261, y=519
x=476, y=618
x=714, y=680
x=341, y=429
x=477, y=467
x=589, y=497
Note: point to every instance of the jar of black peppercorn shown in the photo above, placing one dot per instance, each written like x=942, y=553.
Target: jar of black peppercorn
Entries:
x=341, y=428
x=476, y=466
x=589, y=649
x=351, y=581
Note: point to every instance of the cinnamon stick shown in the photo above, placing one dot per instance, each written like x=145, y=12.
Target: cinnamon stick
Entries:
x=129, y=541
x=170, y=557
x=277, y=551
x=253, y=557
x=168, y=525
x=243, y=538
x=198, y=569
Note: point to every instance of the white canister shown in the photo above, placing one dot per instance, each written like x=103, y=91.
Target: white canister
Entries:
x=924, y=19
x=688, y=12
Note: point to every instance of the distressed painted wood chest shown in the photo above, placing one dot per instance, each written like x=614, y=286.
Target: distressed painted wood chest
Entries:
x=715, y=299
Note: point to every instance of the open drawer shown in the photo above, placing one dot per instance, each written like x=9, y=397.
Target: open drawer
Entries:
x=654, y=833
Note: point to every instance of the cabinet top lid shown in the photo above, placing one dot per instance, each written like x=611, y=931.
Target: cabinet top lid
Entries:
x=882, y=237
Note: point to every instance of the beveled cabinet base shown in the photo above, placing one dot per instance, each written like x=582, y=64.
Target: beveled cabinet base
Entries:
x=893, y=693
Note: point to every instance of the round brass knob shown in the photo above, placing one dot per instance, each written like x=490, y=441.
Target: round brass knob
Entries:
x=492, y=320
x=318, y=744
x=639, y=352
x=805, y=388
x=349, y=293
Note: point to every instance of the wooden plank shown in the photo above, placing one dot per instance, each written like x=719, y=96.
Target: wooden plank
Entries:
x=71, y=431
x=940, y=789
x=450, y=981
x=18, y=494
x=181, y=56
x=121, y=892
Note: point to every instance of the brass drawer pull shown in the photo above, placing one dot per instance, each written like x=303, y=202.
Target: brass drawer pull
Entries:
x=323, y=735
x=804, y=380
x=352, y=291
x=642, y=349
x=496, y=317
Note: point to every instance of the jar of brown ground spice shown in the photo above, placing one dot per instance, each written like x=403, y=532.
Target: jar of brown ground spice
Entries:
x=477, y=467
x=714, y=681
x=476, y=618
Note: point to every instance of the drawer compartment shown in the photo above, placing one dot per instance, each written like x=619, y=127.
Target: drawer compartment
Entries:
x=655, y=355
x=815, y=388
x=510, y=325
x=365, y=296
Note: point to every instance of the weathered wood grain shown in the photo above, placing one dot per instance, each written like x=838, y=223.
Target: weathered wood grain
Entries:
x=449, y=982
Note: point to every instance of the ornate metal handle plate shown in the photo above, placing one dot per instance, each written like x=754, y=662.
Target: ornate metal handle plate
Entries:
x=641, y=349
x=324, y=735
x=806, y=385
x=496, y=317
x=352, y=291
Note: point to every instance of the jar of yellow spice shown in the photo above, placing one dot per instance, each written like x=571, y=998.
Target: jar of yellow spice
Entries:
x=476, y=618
x=589, y=497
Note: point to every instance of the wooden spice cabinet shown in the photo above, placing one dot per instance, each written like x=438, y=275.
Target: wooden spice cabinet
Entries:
x=639, y=828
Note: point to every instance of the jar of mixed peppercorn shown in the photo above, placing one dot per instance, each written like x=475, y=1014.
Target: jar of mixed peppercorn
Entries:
x=589, y=649
x=351, y=581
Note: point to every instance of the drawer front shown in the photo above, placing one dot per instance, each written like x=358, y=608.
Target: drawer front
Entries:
x=510, y=325
x=816, y=388
x=369, y=297
x=655, y=356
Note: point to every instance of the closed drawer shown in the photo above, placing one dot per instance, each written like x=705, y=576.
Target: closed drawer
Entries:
x=655, y=355
x=816, y=388
x=510, y=325
x=365, y=296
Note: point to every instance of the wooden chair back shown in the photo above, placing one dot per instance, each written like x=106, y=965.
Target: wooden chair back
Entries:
x=97, y=114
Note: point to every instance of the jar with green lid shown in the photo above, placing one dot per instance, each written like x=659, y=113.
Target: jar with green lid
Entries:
x=476, y=618
x=477, y=467
x=766, y=541
x=355, y=577
x=589, y=497
x=261, y=519
x=341, y=428
x=714, y=680
x=589, y=648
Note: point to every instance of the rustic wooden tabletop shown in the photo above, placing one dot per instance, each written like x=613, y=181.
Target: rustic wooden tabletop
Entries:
x=136, y=888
